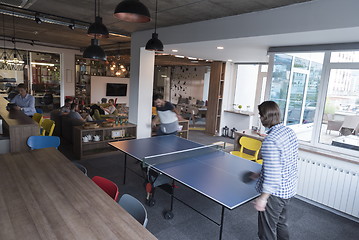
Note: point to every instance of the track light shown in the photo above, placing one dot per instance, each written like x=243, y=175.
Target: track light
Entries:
x=37, y=19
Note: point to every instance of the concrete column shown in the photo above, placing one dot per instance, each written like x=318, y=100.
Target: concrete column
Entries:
x=141, y=90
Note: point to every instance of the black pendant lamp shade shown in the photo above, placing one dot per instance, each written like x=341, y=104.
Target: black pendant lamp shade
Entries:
x=94, y=51
x=132, y=11
x=154, y=44
x=98, y=29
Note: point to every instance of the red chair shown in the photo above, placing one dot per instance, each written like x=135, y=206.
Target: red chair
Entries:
x=108, y=186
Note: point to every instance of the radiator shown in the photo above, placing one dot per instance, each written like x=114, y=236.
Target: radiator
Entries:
x=329, y=185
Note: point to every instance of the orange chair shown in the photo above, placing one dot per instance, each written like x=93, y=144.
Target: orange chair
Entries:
x=107, y=186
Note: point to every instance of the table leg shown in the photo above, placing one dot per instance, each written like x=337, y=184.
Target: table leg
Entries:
x=169, y=214
x=124, y=169
x=221, y=226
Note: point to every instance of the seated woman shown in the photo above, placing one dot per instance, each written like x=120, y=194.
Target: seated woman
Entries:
x=74, y=113
x=111, y=108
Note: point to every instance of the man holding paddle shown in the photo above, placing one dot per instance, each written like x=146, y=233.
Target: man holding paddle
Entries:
x=278, y=178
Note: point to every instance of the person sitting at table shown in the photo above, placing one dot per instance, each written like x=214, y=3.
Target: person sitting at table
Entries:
x=67, y=107
x=74, y=114
x=111, y=107
x=24, y=101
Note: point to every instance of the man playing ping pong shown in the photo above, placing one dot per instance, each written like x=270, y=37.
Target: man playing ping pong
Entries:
x=167, y=116
x=278, y=178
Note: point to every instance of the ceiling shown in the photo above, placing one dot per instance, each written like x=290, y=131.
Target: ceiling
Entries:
x=170, y=13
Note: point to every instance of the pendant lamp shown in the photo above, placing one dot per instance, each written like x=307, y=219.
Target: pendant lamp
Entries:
x=98, y=29
x=16, y=57
x=154, y=44
x=94, y=51
x=132, y=11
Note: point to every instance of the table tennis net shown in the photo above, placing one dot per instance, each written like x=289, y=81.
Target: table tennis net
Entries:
x=178, y=155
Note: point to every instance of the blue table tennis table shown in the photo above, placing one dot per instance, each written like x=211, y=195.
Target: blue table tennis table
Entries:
x=208, y=171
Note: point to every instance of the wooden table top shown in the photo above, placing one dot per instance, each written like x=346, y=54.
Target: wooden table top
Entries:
x=44, y=196
x=14, y=117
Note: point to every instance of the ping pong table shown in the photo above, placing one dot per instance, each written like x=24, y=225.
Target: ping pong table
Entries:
x=204, y=169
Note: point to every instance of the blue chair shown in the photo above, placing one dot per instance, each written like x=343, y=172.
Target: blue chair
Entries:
x=39, y=110
x=37, y=142
x=81, y=167
x=135, y=208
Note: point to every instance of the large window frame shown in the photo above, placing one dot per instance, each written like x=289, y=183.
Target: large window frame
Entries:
x=315, y=143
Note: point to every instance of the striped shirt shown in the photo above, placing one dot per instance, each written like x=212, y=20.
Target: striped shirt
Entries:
x=279, y=172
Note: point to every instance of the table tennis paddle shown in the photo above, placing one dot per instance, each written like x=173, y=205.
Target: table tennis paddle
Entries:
x=248, y=177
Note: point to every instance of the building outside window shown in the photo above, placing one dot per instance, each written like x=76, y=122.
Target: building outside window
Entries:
x=318, y=94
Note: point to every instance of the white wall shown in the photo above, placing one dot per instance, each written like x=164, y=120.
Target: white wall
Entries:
x=98, y=88
x=187, y=82
x=235, y=120
x=141, y=85
x=207, y=76
x=246, y=84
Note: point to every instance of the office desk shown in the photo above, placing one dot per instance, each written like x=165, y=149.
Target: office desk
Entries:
x=44, y=196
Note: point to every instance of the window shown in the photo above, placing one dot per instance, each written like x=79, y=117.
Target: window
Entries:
x=318, y=94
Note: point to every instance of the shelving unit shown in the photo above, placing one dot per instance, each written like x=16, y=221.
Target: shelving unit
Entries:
x=83, y=149
x=215, y=97
x=86, y=68
x=184, y=132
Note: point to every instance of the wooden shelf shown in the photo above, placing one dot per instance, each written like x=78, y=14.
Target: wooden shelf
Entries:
x=215, y=96
x=82, y=149
x=109, y=140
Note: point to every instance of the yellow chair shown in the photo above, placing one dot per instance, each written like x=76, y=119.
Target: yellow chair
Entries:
x=260, y=161
x=48, y=127
x=154, y=111
x=38, y=118
x=250, y=144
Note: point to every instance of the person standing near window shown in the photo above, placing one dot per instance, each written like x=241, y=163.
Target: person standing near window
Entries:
x=24, y=101
x=279, y=174
x=167, y=116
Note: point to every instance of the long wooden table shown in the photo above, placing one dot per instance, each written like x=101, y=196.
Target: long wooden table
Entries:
x=18, y=127
x=44, y=196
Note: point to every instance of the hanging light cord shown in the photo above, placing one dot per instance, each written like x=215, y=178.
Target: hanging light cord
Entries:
x=13, y=23
x=95, y=8
x=156, y=18
x=3, y=28
x=98, y=8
